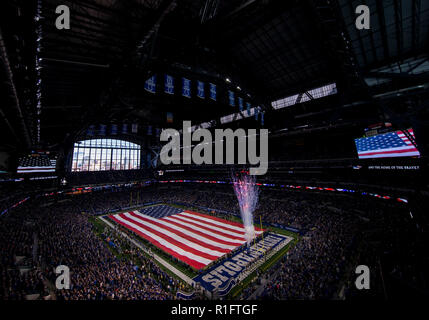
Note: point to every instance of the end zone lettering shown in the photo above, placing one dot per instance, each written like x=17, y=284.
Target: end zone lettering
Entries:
x=219, y=275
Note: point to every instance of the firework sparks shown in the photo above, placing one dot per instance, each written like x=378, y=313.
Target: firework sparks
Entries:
x=247, y=195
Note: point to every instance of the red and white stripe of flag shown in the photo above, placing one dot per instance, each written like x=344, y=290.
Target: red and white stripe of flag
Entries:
x=194, y=238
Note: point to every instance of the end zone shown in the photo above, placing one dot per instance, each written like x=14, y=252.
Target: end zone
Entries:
x=222, y=277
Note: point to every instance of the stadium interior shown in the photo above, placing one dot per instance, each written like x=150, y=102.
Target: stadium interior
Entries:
x=82, y=184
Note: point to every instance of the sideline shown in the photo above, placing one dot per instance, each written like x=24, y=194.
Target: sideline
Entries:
x=177, y=272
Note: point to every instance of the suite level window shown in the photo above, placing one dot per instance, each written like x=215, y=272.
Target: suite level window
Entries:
x=105, y=154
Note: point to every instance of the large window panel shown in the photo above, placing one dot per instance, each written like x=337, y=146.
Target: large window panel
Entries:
x=137, y=159
x=134, y=159
x=108, y=159
x=103, y=159
x=105, y=154
x=79, y=162
x=114, y=159
x=131, y=159
x=91, y=159
x=97, y=160
x=85, y=166
x=75, y=157
x=123, y=159
x=127, y=159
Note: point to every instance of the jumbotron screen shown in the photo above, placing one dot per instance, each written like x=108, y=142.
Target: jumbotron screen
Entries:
x=37, y=162
x=400, y=143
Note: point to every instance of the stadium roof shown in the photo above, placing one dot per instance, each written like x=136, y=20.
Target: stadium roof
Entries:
x=270, y=49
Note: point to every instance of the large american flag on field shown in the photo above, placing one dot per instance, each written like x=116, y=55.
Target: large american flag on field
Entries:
x=194, y=238
x=392, y=144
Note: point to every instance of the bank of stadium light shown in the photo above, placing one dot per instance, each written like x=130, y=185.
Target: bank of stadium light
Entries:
x=38, y=66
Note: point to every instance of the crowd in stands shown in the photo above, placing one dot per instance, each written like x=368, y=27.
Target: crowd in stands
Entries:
x=66, y=237
x=18, y=275
x=104, y=265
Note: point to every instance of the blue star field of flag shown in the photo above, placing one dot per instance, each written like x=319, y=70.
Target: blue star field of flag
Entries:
x=160, y=211
x=384, y=141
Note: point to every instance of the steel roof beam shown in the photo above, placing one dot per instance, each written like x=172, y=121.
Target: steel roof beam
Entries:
x=381, y=18
x=398, y=26
x=14, y=94
x=415, y=23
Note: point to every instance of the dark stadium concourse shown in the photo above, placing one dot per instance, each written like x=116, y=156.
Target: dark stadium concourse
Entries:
x=214, y=150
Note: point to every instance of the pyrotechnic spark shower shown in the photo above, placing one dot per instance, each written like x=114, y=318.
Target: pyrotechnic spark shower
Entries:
x=247, y=194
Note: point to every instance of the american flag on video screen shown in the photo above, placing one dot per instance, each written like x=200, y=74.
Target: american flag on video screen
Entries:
x=194, y=238
x=392, y=144
x=36, y=164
